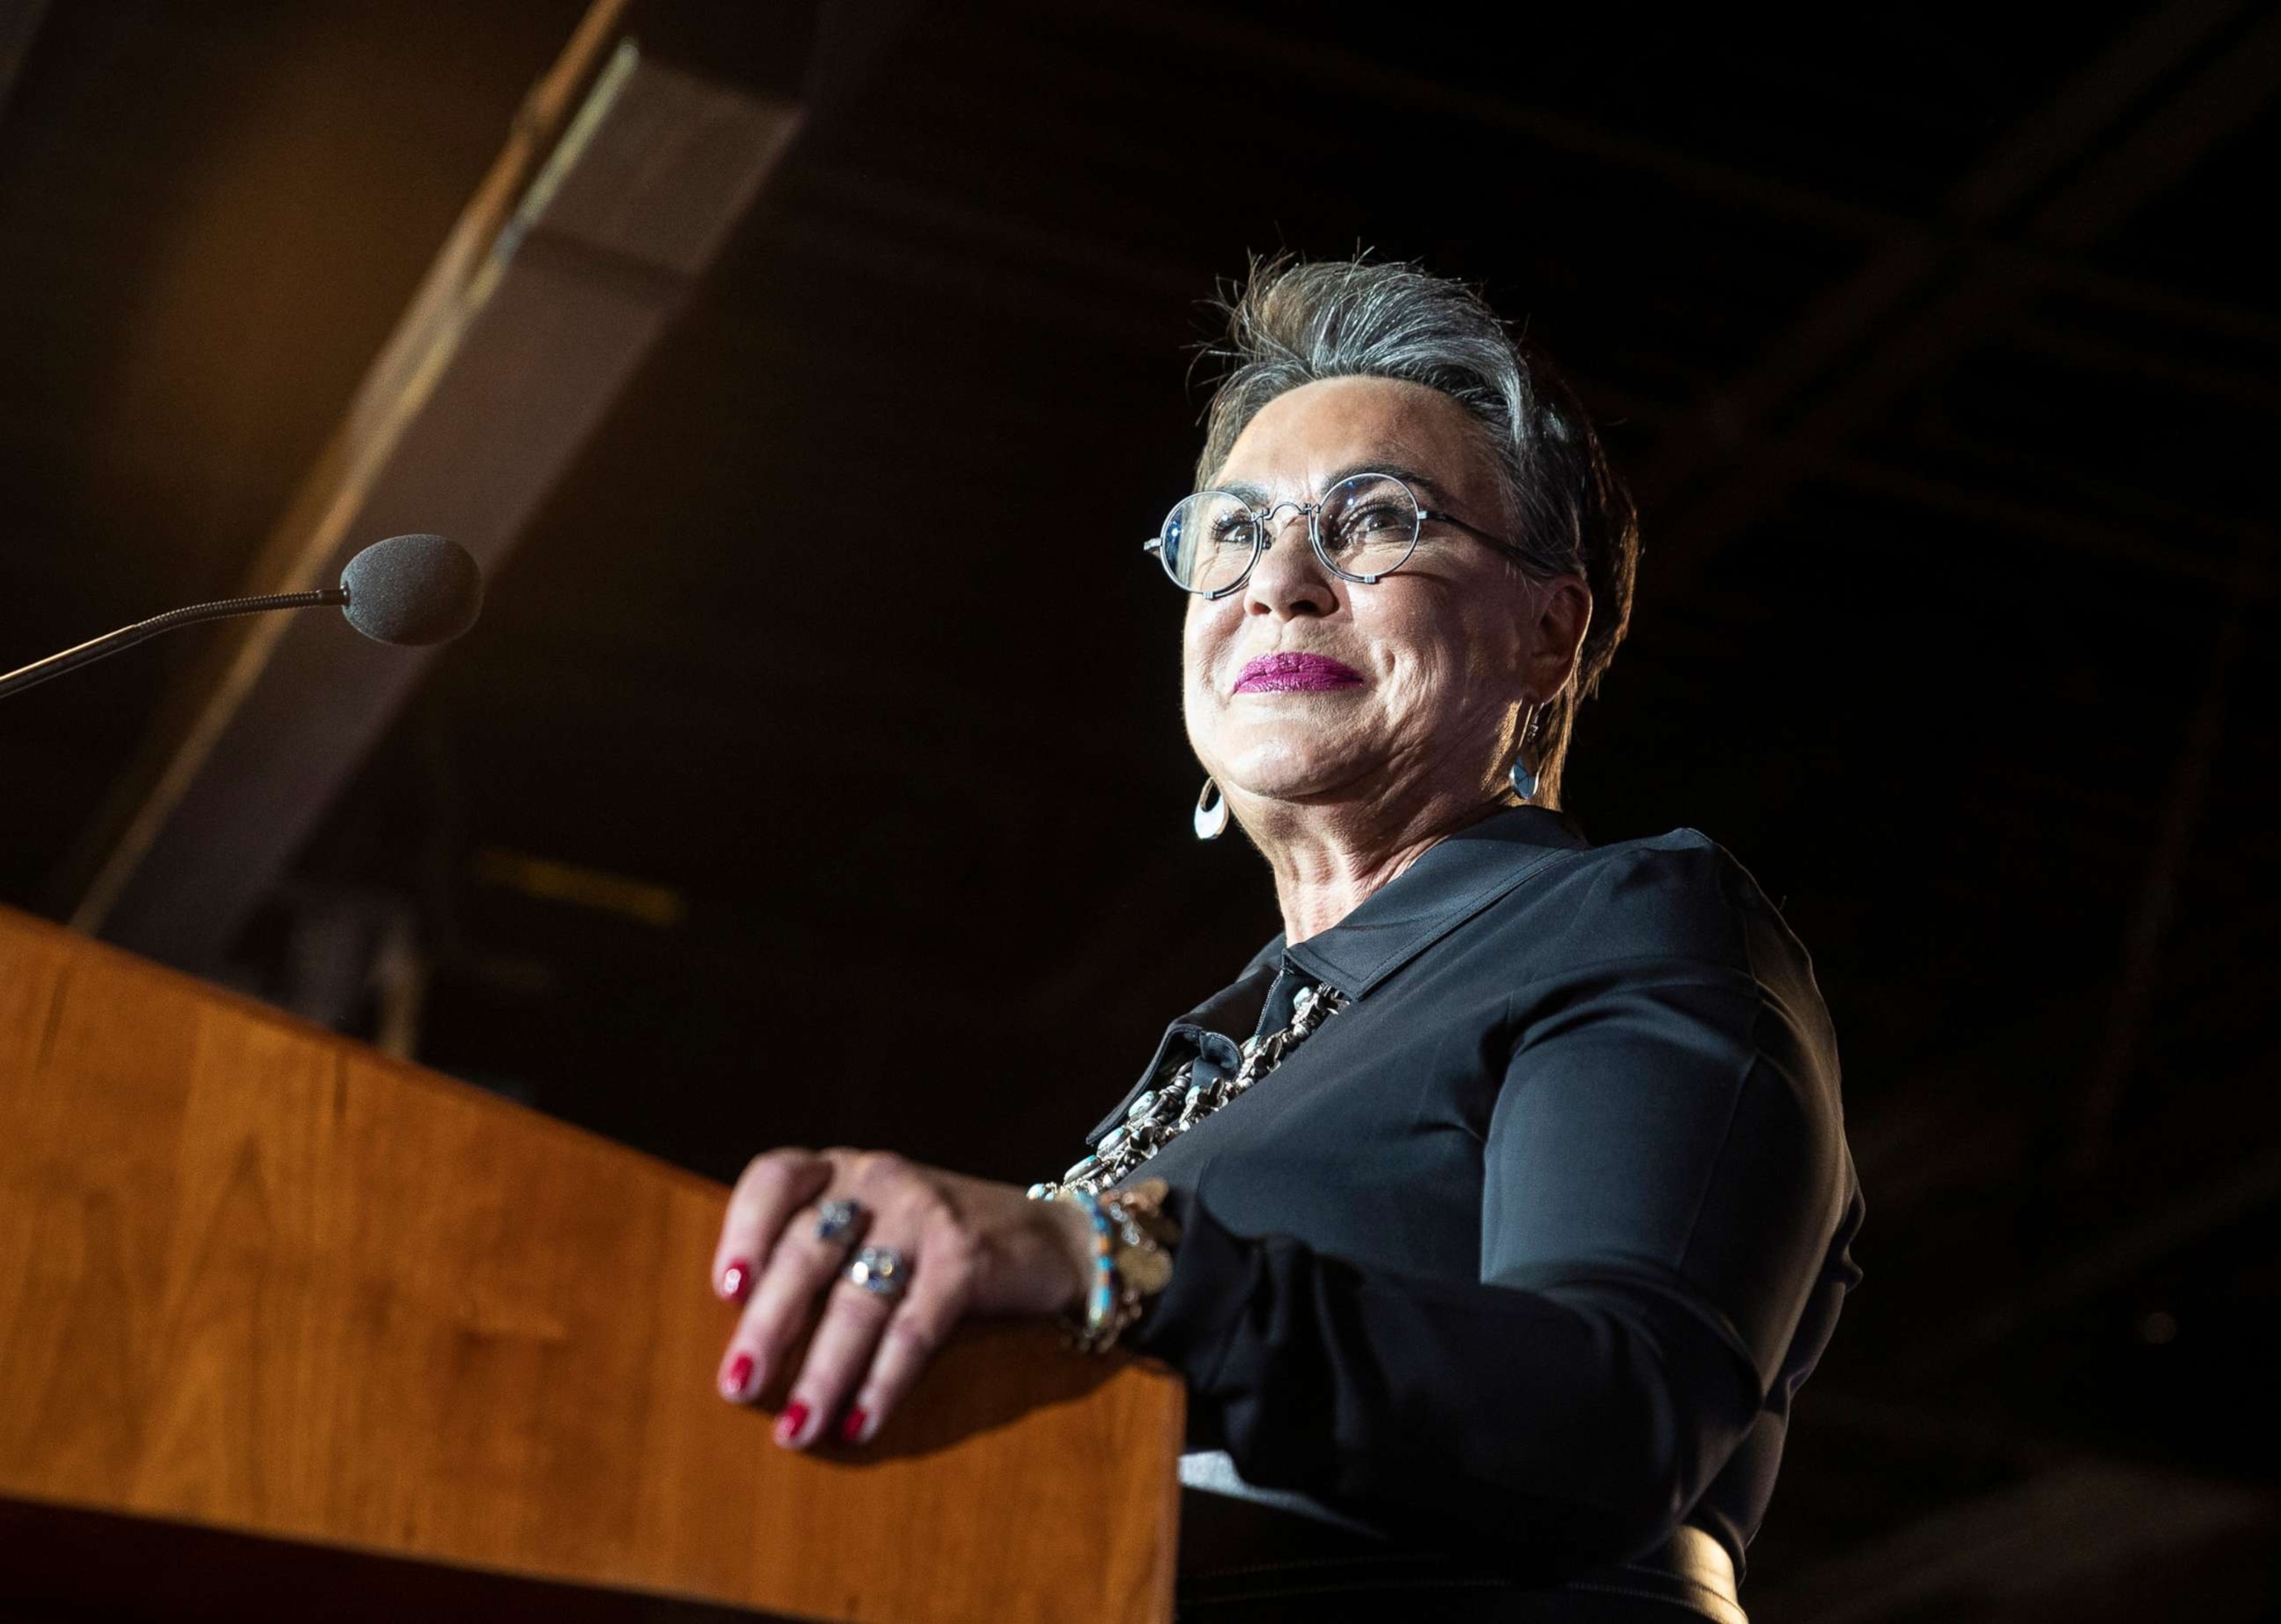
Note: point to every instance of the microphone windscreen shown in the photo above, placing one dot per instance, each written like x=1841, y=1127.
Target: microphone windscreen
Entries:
x=413, y=589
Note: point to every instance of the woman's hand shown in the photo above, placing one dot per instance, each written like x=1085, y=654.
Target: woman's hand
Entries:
x=967, y=1246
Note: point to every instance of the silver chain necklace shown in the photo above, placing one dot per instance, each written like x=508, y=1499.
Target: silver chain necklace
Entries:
x=1160, y=1114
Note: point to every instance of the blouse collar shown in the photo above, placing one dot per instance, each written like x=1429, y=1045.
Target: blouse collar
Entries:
x=1452, y=881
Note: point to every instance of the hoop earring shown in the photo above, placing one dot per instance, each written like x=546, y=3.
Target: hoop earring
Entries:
x=1212, y=813
x=1524, y=780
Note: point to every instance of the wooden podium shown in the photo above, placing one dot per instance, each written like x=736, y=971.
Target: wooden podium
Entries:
x=288, y=1329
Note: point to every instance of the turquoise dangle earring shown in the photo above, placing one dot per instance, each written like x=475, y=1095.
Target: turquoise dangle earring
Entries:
x=1523, y=779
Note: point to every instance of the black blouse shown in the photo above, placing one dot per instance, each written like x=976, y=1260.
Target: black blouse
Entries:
x=1526, y=1251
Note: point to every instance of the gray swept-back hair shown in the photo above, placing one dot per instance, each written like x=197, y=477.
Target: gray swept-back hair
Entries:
x=1297, y=321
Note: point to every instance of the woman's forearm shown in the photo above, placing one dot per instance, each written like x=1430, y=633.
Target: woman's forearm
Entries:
x=1509, y=1423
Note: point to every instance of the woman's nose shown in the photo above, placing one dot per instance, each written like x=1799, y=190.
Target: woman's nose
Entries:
x=1288, y=579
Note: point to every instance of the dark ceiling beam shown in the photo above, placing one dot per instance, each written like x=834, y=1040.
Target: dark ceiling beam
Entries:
x=619, y=182
x=2140, y=364
x=2132, y=527
x=1982, y=1113
x=19, y=20
x=2195, y=312
x=1021, y=293
x=2041, y=148
x=1320, y=63
x=851, y=36
x=2094, y=201
x=932, y=217
x=2183, y=804
x=1308, y=60
x=2154, y=1230
x=2146, y=546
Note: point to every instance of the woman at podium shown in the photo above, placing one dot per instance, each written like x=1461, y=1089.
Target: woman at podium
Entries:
x=1494, y=1211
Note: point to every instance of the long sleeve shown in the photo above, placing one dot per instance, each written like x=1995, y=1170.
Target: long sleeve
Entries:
x=1662, y=1175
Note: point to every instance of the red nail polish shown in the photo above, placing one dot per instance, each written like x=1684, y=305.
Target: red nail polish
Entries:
x=851, y=1426
x=792, y=1423
x=740, y=1373
x=737, y=1279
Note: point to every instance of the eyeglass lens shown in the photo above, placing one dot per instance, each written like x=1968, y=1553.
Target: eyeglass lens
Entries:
x=1367, y=526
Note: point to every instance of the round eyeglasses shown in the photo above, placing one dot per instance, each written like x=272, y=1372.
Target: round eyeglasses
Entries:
x=1365, y=528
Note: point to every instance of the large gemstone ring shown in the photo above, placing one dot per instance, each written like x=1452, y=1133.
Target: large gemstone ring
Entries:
x=835, y=1218
x=880, y=1270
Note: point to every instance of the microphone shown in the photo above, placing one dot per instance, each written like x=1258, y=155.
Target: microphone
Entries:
x=408, y=589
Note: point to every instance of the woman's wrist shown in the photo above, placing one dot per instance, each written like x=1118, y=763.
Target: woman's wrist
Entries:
x=1127, y=1259
x=1072, y=1231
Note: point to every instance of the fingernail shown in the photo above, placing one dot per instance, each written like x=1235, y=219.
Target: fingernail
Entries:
x=739, y=1374
x=792, y=1422
x=851, y=1425
x=736, y=1280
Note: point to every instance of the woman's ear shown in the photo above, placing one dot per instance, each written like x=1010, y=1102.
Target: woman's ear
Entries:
x=1564, y=614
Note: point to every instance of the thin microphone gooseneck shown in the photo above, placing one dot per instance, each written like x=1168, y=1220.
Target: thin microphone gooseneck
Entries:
x=409, y=589
x=126, y=636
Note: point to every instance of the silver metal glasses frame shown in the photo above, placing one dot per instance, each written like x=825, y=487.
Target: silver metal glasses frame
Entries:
x=1262, y=527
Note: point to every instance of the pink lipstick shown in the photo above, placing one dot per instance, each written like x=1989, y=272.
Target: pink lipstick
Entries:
x=1295, y=673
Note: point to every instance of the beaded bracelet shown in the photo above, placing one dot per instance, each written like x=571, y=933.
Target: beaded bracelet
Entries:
x=1130, y=1223
x=1105, y=1297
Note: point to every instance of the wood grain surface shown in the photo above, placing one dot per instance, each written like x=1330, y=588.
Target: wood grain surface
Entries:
x=255, y=1278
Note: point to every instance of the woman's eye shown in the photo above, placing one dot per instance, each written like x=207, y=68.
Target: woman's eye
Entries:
x=1372, y=524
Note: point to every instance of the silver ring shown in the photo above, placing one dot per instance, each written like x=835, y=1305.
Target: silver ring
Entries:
x=835, y=1218
x=880, y=1270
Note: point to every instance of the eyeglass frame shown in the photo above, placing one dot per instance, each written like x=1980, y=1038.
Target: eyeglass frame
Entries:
x=1263, y=520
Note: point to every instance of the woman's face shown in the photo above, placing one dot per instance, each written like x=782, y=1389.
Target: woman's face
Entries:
x=1439, y=657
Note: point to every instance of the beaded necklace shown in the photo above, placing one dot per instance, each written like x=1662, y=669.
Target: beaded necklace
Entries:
x=1160, y=1114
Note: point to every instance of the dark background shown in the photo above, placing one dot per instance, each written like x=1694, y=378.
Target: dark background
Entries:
x=1940, y=342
